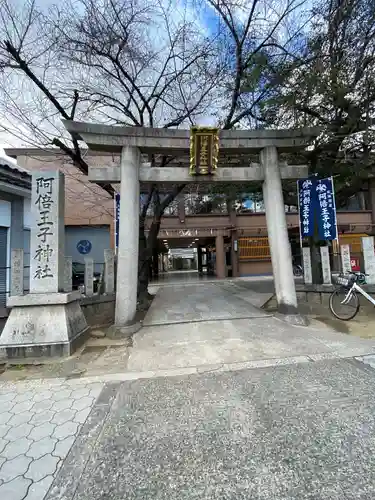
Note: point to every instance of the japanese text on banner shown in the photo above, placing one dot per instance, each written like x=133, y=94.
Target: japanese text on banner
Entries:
x=117, y=219
x=326, y=209
x=306, y=193
x=44, y=251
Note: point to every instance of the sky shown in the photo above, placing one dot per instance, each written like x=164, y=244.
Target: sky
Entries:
x=208, y=24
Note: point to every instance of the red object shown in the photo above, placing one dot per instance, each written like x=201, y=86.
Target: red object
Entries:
x=354, y=262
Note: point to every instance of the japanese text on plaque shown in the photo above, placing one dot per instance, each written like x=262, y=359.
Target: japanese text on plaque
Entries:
x=45, y=225
x=204, y=150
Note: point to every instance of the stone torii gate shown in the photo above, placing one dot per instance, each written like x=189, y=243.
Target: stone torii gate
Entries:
x=132, y=142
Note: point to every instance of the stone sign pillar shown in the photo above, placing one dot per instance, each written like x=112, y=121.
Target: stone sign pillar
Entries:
x=47, y=321
x=307, y=270
x=345, y=259
x=369, y=258
x=281, y=255
x=47, y=237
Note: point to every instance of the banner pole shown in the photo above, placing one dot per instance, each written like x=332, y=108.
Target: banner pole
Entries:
x=114, y=221
x=334, y=207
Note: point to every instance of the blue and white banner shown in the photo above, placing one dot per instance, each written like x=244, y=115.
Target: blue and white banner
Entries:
x=316, y=199
x=117, y=218
x=327, y=222
x=306, y=203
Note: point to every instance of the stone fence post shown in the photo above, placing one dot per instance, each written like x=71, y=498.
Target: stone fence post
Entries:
x=16, y=272
x=369, y=258
x=326, y=265
x=68, y=278
x=89, y=276
x=109, y=271
x=307, y=269
x=345, y=259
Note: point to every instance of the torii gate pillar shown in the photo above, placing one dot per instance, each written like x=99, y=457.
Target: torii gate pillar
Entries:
x=128, y=244
x=281, y=254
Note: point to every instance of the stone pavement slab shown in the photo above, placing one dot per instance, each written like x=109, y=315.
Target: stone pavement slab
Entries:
x=39, y=421
x=296, y=432
x=215, y=342
x=198, y=302
x=219, y=323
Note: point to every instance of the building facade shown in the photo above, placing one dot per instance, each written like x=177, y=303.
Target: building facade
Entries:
x=15, y=193
x=89, y=210
x=233, y=243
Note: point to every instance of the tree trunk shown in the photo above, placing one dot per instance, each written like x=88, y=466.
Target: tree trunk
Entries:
x=155, y=263
x=146, y=250
x=149, y=244
x=143, y=267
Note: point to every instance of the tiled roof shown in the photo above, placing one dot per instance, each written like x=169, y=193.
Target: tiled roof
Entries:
x=13, y=174
x=8, y=165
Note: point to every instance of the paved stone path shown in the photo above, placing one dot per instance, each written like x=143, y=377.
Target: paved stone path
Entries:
x=217, y=324
x=199, y=302
x=296, y=432
x=39, y=422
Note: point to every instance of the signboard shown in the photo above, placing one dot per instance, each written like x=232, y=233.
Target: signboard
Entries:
x=84, y=247
x=306, y=198
x=117, y=218
x=204, y=150
x=355, y=264
x=327, y=225
x=316, y=202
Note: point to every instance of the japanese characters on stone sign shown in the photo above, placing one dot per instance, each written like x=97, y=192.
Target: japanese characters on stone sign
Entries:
x=316, y=200
x=45, y=227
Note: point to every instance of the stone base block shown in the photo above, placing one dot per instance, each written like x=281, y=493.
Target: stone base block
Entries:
x=290, y=314
x=293, y=319
x=56, y=329
x=43, y=299
x=117, y=331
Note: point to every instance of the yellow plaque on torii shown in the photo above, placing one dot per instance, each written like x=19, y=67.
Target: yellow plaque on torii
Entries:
x=204, y=150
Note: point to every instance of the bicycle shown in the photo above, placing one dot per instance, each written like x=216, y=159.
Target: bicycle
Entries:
x=345, y=298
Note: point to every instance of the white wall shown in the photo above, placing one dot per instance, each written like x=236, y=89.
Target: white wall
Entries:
x=99, y=238
x=26, y=213
x=5, y=219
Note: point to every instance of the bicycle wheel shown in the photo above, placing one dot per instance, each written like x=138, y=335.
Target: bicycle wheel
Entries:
x=342, y=311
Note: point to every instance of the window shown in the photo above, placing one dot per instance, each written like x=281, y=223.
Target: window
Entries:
x=254, y=248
